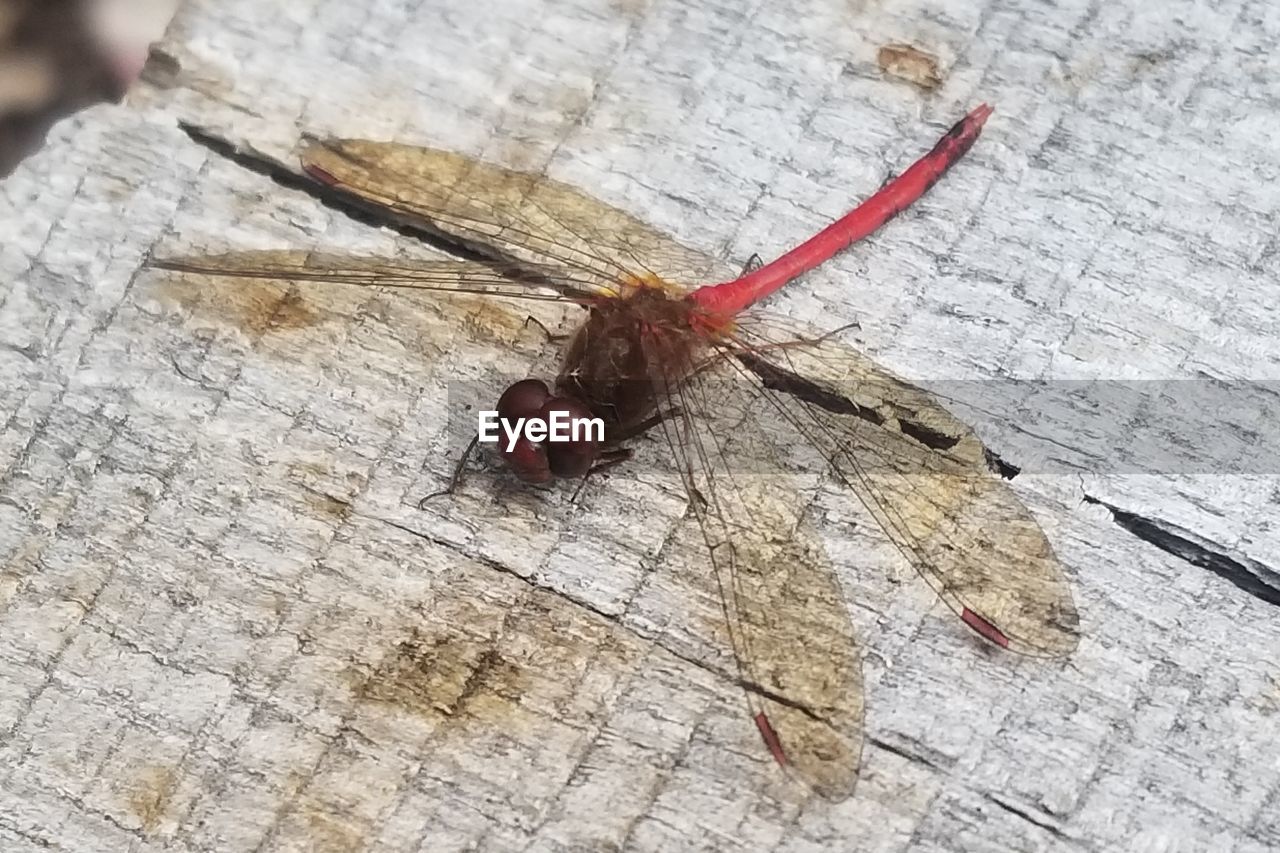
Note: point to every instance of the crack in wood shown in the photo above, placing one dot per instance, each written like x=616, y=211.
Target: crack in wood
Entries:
x=903, y=752
x=1257, y=579
x=352, y=206
x=1044, y=822
x=283, y=175
x=777, y=378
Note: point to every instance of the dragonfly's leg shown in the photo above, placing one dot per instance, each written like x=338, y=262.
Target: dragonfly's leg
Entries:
x=608, y=459
x=756, y=349
x=458, y=471
x=753, y=263
x=551, y=338
x=643, y=427
x=618, y=455
x=808, y=342
x=604, y=462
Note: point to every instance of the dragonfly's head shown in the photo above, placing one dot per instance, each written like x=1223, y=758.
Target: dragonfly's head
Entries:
x=529, y=401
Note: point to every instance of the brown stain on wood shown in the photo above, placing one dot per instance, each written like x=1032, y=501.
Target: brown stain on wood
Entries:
x=631, y=8
x=256, y=307
x=448, y=676
x=327, y=505
x=310, y=469
x=151, y=795
x=490, y=316
x=911, y=64
x=430, y=323
x=10, y=584
x=319, y=491
x=327, y=834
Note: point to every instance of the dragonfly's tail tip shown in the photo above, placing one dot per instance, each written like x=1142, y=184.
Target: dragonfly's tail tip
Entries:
x=981, y=113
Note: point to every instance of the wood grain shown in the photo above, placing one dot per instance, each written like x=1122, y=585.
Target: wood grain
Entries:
x=224, y=625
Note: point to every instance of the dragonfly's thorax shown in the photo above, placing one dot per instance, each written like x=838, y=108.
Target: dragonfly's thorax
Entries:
x=629, y=353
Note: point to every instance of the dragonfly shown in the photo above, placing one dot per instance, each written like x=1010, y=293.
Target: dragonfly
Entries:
x=673, y=344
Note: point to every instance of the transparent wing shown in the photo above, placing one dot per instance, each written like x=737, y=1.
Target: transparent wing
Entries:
x=304, y=266
x=507, y=214
x=928, y=481
x=786, y=618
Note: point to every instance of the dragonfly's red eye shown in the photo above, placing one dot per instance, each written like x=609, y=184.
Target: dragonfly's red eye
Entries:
x=523, y=399
x=526, y=458
x=575, y=457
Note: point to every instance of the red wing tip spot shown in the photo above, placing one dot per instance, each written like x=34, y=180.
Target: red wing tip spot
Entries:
x=985, y=628
x=771, y=739
x=320, y=175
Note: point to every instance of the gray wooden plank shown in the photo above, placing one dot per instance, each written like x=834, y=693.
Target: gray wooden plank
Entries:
x=226, y=627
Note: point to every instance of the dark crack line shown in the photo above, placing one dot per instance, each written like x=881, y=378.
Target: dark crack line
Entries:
x=355, y=208
x=25, y=834
x=902, y=752
x=279, y=173
x=490, y=563
x=1045, y=822
x=1257, y=579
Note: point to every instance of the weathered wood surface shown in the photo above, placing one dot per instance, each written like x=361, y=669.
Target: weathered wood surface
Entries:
x=224, y=625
